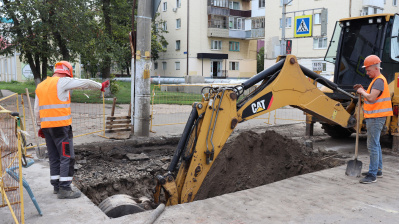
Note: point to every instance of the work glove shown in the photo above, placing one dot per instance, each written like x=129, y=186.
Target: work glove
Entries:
x=357, y=86
x=40, y=133
x=104, y=85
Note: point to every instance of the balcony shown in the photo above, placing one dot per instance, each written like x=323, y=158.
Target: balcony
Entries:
x=217, y=32
x=373, y=3
x=239, y=34
x=258, y=33
x=240, y=13
x=218, y=11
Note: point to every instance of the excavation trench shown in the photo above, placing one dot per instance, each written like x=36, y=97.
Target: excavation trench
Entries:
x=247, y=161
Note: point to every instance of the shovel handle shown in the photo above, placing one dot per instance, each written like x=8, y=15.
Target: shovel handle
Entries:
x=358, y=125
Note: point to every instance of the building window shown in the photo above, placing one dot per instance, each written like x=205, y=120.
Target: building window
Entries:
x=164, y=65
x=220, y=3
x=177, y=45
x=217, y=22
x=235, y=23
x=164, y=45
x=165, y=26
x=177, y=65
x=258, y=23
x=394, y=2
x=178, y=3
x=234, y=46
x=287, y=22
x=164, y=6
x=178, y=23
x=216, y=45
x=317, y=18
x=320, y=43
x=235, y=5
x=262, y=3
x=234, y=65
x=155, y=65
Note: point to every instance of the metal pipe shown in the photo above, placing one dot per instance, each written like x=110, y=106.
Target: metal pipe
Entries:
x=263, y=74
x=320, y=79
x=182, y=142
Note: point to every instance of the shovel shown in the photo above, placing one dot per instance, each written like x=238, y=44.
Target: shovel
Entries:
x=354, y=167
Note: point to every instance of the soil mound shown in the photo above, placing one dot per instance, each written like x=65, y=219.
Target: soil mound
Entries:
x=252, y=160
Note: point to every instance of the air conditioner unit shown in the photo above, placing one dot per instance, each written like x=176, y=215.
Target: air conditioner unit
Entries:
x=174, y=9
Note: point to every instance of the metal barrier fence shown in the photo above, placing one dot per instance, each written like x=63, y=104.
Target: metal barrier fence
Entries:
x=87, y=118
x=170, y=106
x=10, y=153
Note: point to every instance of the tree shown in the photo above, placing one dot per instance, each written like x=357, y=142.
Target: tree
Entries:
x=45, y=31
x=158, y=41
x=260, y=60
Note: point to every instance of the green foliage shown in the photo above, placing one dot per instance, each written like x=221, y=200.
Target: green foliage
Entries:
x=158, y=41
x=260, y=60
x=18, y=87
x=113, y=85
x=46, y=31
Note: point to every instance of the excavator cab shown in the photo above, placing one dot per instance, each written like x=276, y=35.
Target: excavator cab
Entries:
x=353, y=40
x=356, y=38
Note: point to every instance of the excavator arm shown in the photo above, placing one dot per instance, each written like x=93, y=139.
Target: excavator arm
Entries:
x=212, y=121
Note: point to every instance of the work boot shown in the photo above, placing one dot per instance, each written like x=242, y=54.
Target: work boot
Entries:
x=379, y=174
x=68, y=194
x=56, y=190
x=368, y=179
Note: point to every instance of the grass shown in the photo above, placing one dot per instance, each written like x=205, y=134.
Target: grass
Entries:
x=123, y=95
x=19, y=87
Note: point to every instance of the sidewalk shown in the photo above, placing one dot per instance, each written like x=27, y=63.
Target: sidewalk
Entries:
x=326, y=196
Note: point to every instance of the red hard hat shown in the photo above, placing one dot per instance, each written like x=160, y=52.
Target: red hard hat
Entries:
x=64, y=67
x=371, y=60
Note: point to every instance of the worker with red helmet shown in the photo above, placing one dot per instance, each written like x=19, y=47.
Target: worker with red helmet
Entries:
x=53, y=114
x=377, y=107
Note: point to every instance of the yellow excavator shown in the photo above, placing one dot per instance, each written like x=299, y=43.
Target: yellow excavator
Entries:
x=286, y=83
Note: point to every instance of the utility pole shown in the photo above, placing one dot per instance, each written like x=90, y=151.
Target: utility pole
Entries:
x=283, y=50
x=283, y=47
x=143, y=66
x=188, y=33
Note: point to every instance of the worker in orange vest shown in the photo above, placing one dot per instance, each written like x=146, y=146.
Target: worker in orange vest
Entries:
x=377, y=107
x=53, y=114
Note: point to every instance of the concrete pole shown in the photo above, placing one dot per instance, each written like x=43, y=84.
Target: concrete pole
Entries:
x=283, y=50
x=143, y=66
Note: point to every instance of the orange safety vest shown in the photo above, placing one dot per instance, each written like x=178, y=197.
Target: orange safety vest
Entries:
x=382, y=107
x=53, y=111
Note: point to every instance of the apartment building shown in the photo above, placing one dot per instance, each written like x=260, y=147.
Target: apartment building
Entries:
x=214, y=37
x=322, y=16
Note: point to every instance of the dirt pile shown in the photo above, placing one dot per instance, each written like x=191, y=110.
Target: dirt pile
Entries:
x=252, y=160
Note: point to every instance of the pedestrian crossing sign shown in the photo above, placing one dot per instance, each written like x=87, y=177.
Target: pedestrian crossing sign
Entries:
x=303, y=26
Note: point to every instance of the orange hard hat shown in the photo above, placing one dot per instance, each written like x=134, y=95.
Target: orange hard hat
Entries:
x=371, y=60
x=64, y=67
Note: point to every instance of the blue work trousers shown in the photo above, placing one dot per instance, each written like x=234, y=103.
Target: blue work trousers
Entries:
x=374, y=128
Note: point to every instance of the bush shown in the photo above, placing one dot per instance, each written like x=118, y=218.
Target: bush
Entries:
x=113, y=86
